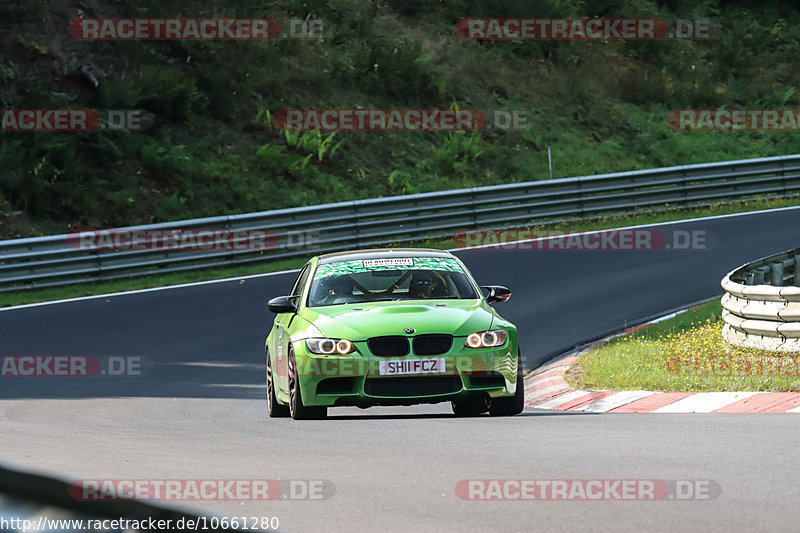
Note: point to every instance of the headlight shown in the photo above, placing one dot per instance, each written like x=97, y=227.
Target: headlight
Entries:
x=486, y=339
x=330, y=346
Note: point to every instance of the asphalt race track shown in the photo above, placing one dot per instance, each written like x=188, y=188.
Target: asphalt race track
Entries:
x=200, y=412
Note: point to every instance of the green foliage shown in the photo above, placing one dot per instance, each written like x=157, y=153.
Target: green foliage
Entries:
x=395, y=67
x=401, y=183
x=213, y=147
x=170, y=159
x=170, y=94
x=312, y=142
x=457, y=150
x=274, y=157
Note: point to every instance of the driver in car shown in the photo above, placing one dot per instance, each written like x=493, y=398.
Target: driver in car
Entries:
x=336, y=290
x=422, y=286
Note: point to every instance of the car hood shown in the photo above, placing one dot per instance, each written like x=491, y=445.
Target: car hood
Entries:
x=455, y=317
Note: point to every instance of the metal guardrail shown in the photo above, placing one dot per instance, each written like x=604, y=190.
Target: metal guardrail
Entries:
x=50, y=261
x=761, y=304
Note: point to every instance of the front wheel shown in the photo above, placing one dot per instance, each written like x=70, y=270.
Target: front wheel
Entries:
x=297, y=410
x=511, y=405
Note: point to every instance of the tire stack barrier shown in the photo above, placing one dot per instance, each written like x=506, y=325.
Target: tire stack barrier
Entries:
x=761, y=304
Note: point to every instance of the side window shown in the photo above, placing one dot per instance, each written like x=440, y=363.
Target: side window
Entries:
x=297, y=288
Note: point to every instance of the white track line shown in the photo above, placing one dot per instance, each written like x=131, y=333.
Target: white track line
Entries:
x=207, y=282
x=704, y=402
x=568, y=397
x=682, y=221
x=151, y=289
x=538, y=382
x=612, y=402
x=544, y=392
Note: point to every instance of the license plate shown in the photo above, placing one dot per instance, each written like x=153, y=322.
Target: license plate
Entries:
x=397, y=367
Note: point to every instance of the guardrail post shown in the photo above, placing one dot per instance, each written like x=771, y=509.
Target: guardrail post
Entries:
x=684, y=187
x=356, y=232
x=797, y=271
x=473, y=204
x=98, y=259
x=777, y=274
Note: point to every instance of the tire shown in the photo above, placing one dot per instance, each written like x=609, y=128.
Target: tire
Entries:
x=297, y=410
x=274, y=409
x=511, y=405
x=471, y=406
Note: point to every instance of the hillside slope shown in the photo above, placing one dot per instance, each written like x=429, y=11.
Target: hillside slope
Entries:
x=212, y=149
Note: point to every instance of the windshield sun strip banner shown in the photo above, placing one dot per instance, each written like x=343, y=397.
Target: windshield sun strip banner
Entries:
x=407, y=263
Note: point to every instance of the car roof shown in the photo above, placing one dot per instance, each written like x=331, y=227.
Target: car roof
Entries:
x=382, y=253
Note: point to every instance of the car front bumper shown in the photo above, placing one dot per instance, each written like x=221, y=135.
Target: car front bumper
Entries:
x=356, y=379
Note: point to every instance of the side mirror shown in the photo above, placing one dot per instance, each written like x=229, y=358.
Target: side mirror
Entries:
x=497, y=293
x=282, y=304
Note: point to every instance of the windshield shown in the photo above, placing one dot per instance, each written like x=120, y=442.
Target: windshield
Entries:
x=371, y=280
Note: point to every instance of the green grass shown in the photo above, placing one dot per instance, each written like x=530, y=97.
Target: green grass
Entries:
x=681, y=322
x=684, y=354
x=72, y=291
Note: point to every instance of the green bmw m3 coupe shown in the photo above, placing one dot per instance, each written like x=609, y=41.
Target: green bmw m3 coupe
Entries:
x=391, y=327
